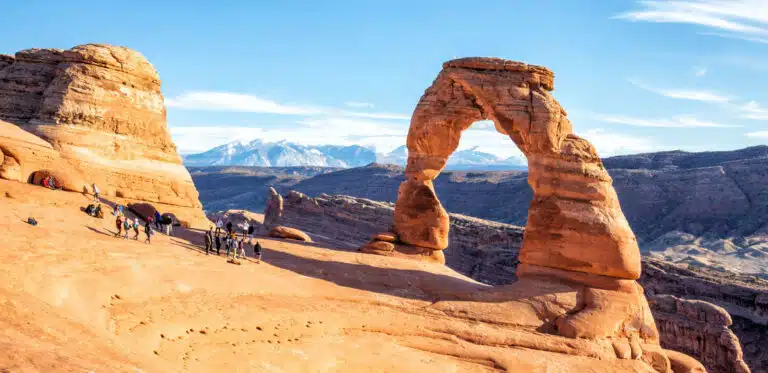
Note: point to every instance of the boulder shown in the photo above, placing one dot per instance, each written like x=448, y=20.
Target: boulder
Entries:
x=290, y=233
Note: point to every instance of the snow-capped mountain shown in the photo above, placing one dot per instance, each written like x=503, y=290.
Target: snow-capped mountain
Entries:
x=282, y=154
x=287, y=154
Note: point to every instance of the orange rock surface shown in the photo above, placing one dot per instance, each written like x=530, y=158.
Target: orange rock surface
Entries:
x=100, y=109
x=75, y=299
x=290, y=233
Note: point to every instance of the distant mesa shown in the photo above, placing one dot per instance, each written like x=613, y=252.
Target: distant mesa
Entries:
x=92, y=114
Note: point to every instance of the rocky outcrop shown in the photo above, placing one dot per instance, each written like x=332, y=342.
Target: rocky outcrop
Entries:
x=274, y=209
x=699, y=329
x=101, y=109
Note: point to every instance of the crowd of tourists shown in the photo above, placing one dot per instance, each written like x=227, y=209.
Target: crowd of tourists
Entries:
x=235, y=246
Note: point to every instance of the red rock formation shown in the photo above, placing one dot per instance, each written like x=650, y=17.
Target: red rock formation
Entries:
x=577, y=235
x=101, y=109
x=274, y=210
x=700, y=329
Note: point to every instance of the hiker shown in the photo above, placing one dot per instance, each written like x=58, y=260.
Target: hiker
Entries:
x=219, y=225
x=251, y=229
x=118, y=210
x=241, y=246
x=96, y=192
x=228, y=245
x=90, y=209
x=218, y=245
x=119, y=225
x=136, y=229
x=157, y=219
x=208, y=240
x=127, y=226
x=148, y=232
x=257, y=252
x=229, y=227
x=168, y=222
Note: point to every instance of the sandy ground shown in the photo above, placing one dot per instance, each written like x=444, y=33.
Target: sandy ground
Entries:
x=74, y=298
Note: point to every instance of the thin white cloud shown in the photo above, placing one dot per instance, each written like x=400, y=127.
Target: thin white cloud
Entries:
x=744, y=17
x=700, y=71
x=683, y=94
x=753, y=110
x=758, y=134
x=610, y=143
x=238, y=102
x=359, y=104
x=674, y=122
x=753, y=39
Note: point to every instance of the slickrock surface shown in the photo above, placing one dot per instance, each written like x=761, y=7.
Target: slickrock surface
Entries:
x=280, y=231
x=699, y=329
x=76, y=299
x=487, y=251
x=101, y=109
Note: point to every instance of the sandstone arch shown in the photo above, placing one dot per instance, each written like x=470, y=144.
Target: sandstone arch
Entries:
x=575, y=222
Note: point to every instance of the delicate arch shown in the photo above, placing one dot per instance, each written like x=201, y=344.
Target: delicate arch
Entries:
x=575, y=222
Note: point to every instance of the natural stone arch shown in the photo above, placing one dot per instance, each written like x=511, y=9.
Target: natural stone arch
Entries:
x=575, y=222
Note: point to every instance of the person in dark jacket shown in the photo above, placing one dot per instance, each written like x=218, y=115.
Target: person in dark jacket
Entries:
x=218, y=245
x=257, y=252
x=229, y=227
x=157, y=219
x=148, y=232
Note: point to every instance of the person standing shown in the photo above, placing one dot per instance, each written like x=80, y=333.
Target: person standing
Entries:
x=257, y=252
x=218, y=245
x=96, y=192
x=208, y=240
x=157, y=219
x=228, y=244
x=119, y=225
x=148, y=232
x=136, y=229
x=127, y=224
x=242, y=248
x=251, y=229
x=169, y=226
x=219, y=226
x=229, y=227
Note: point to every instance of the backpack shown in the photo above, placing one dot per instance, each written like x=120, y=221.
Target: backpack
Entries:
x=32, y=221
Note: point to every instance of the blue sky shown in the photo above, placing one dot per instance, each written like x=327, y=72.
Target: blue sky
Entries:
x=633, y=75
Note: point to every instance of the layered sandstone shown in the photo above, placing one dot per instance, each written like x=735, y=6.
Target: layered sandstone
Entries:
x=488, y=251
x=101, y=109
x=699, y=329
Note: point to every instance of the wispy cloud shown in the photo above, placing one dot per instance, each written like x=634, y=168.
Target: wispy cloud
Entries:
x=758, y=134
x=683, y=94
x=699, y=71
x=753, y=39
x=673, y=122
x=744, y=18
x=359, y=104
x=611, y=143
x=238, y=102
x=753, y=110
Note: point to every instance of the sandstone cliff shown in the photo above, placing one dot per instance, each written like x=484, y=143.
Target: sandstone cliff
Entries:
x=487, y=251
x=101, y=109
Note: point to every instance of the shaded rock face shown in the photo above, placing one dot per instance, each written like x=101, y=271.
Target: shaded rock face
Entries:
x=575, y=222
x=700, y=329
x=101, y=109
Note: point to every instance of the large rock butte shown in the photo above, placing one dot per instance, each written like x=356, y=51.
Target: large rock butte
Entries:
x=577, y=236
x=100, y=111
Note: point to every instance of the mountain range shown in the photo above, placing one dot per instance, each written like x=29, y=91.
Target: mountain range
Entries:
x=288, y=154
